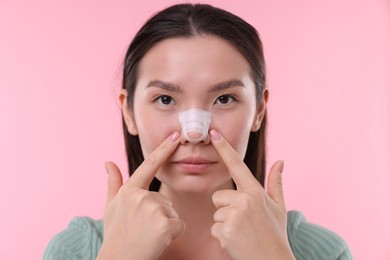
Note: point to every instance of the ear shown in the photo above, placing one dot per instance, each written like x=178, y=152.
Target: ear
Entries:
x=127, y=113
x=260, y=111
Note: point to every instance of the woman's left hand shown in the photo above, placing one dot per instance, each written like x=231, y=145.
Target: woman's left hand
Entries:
x=250, y=223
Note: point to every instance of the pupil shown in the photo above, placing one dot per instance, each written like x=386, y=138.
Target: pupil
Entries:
x=166, y=100
x=223, y=99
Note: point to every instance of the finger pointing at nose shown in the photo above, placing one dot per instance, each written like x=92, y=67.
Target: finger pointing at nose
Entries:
x=144, y=174
x=240, y=173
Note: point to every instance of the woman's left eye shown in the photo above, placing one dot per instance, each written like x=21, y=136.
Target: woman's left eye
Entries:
x=225, y=99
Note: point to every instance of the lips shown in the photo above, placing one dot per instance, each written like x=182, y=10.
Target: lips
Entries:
x=194, y=164
x=194, y=160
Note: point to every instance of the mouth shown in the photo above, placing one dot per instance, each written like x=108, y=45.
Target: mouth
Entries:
x=194, y=164
x=194, y=160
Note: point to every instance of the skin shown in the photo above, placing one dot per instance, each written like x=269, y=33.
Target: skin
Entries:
x=154, y=121
x=196, y=214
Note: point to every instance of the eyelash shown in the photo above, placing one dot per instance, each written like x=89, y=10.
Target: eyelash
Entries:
x=230, y=97
x=158, y=100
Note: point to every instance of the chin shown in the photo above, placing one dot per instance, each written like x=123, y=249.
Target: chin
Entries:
x=195, y=184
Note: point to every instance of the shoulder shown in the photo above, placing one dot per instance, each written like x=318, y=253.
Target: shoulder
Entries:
x=82, y=239
x=310, y=241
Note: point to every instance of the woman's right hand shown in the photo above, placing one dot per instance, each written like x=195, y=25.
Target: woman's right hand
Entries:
x=138, y=223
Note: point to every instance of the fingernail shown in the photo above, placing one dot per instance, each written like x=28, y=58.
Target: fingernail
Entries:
x=281, y=167
x=106, y=167
x=215, y=135
x=174, y=136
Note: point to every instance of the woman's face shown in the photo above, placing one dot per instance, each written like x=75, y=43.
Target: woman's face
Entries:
x=203, y=72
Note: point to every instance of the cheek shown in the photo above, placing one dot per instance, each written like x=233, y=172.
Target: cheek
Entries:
x=235, y=128
x=153, y=129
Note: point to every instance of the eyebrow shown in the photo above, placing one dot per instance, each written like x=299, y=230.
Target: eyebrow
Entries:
x=226, y=85
x=165, y=85
x=214, y=88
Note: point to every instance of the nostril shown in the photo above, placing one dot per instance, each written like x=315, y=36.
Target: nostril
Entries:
x=194, y=135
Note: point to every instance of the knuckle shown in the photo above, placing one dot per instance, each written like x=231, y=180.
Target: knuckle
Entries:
x=163, y=226
x=223, y=244
x=167, y=241
x=154, y=208
x=166, y=229
x=164, y=233
x=218, y=233
x=140, y=197
x=235, y=214
x=228, y=231
x=216, y=196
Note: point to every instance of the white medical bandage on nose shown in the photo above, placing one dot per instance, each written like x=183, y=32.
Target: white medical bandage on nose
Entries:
x=194, y=124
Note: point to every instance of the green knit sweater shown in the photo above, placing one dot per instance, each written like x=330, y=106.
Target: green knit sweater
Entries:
x=84, y=236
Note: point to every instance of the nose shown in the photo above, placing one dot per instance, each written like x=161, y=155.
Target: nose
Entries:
x=194, y=125
x=205, y=141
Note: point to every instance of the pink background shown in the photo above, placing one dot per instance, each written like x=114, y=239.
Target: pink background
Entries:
x=328, y=67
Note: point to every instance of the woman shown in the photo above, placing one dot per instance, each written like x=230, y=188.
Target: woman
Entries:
x=188, y=198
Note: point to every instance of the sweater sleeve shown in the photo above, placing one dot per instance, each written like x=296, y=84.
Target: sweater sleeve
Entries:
x=310, y=241
x=81, y=240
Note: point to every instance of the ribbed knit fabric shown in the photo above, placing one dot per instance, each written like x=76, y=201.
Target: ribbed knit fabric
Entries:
x=84, y=236
x=81, y=240
x=310, y=241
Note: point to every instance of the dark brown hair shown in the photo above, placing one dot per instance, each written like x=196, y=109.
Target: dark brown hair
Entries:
x=189, y=20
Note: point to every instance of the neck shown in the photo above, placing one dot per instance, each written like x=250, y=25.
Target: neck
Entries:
x=195, y=209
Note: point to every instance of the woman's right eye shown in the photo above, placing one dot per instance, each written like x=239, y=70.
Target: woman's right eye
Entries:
x=165, y=100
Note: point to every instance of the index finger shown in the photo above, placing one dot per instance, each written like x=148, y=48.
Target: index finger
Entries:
x=143, y=176
x=239, y=171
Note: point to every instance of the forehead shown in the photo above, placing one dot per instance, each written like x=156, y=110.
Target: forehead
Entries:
x=194, y=58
